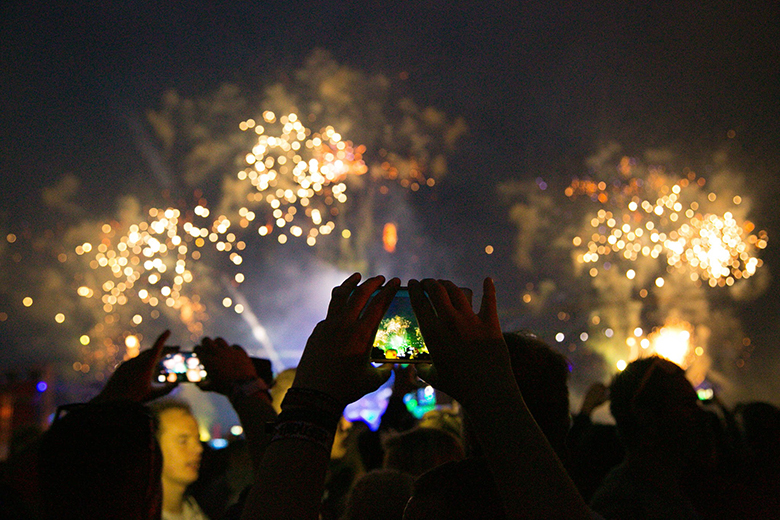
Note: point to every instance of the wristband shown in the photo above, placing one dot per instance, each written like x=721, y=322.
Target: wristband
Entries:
x=313, y=400
x=310, y=415
x=304, y=430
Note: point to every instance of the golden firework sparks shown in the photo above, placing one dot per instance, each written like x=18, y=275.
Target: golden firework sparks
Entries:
x=299, y=175
x=662, y=217
x=150, y=261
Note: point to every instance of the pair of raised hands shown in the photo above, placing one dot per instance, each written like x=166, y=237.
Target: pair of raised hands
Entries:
x=467, y=349
x=133, y=379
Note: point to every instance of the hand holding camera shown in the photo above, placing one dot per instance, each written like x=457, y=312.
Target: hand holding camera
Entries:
x=468, y=349
x=336, y=358
x=225, y=364
x=132, y=380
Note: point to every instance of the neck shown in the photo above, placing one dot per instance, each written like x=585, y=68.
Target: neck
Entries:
x=173, y=496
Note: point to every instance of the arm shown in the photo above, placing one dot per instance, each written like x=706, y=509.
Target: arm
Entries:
x=471, y=363
x=232, y=374
x=334, y=371
x=597, y=394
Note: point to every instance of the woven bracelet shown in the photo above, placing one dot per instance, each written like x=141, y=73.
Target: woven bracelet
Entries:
x=313, y=399
x=306, y=431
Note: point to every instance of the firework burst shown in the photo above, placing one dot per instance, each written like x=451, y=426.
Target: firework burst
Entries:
x=659, y=216
x=299, y=175
x=151, y=262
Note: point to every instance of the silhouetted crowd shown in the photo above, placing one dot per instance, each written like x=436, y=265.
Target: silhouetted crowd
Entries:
x=507, y=446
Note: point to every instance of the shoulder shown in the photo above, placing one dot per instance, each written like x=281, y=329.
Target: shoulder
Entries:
x=192, y=510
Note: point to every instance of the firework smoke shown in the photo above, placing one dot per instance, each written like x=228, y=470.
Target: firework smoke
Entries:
x=656, y=260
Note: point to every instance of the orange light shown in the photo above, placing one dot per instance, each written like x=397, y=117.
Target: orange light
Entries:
x=390, y=237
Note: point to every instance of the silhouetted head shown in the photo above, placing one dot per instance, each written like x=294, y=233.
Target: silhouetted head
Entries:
x=101, y=460
x=542, y=375
x=381, y=494
x=655, y=407
x=761, y=429
x=421, y=449
x=462, y=490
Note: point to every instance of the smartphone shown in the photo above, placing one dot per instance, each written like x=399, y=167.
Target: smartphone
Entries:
x=705, y=395
x=398, y=339
x=181, y=367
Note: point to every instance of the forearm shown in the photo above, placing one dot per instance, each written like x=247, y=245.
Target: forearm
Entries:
x=528, y=473
x=289, y=483
x=291, y=476
x=254, y=411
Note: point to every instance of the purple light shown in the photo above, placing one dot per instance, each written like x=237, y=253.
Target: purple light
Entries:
x=42, y=386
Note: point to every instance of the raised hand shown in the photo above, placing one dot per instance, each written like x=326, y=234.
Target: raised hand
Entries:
x=467, y=349
x=596, y=395
x=471, y=363
x=132, y=380
x=225, y=364
x=336, y=358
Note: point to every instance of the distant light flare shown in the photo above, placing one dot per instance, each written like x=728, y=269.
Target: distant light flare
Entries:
x=151, y=264
x=149, y=261
x=673, y=342
x=648, y=225
x=300, y=177
x=389, y=237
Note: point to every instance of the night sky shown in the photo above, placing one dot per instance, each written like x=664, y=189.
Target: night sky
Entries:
x=540, y=85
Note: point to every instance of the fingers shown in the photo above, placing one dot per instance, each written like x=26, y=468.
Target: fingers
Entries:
x=360, y=297
x=153, y=355
x=437, y=294
x=206, y=349
x=157, y=349
x=368, y=323
x=212, y=346
x=456, y=296
x=340, y=295
x=487, y=310
x=160, y=342
x=423, y=309
x=379, y=304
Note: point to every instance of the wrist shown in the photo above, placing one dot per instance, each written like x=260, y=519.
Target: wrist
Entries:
x=309, y=399
x=303, y=427
x=307, y=415
x=253, y=387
